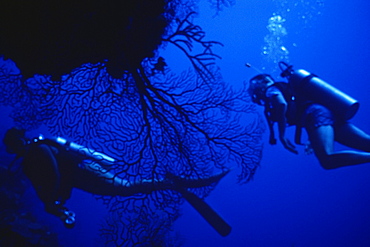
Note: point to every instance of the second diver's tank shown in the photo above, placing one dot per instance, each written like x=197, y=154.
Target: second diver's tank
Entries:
x=313, y=88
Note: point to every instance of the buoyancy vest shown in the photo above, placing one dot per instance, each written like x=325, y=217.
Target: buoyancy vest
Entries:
x=293, y=113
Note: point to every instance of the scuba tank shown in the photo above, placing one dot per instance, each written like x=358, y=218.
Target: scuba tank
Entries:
x=75, y=148
x=88, y=153
x=310, y=87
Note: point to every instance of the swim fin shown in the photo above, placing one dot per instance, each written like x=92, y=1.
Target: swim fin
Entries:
x=207, y=212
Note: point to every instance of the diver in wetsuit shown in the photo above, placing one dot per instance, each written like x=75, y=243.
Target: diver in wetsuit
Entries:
x=308, y=102
x=56, y=166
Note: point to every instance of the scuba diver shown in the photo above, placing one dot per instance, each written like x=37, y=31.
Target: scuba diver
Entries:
x=307, y=101
x=56, y=166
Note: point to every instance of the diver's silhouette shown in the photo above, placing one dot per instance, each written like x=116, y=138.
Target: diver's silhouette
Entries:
x=56, y=166
x=309, y=102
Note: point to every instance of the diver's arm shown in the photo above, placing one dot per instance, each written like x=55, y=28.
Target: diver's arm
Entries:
x=41, y=167
x=280, y=107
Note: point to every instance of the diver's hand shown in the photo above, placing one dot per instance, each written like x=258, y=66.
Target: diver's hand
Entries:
x=288, y=145
x=308, y=148
x=272, y=140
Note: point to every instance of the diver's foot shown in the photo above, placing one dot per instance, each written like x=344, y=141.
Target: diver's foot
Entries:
x=196, y=183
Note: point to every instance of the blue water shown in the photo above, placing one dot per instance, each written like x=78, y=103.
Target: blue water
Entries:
x=291, y=200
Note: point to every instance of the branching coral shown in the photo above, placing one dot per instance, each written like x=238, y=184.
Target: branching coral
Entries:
x=150, y=120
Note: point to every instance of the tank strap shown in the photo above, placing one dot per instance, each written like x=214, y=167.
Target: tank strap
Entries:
x=272, y=139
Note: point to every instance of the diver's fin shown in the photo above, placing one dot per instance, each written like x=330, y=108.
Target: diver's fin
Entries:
x=208, y=213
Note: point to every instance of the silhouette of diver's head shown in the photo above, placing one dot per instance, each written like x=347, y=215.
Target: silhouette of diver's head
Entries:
x=258, y=86
x=15, y=141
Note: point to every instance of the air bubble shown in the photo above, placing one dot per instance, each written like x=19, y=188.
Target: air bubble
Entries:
x=274, y=49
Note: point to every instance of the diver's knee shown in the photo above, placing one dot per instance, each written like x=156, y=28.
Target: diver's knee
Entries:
x=326, y=162
x=327, y=166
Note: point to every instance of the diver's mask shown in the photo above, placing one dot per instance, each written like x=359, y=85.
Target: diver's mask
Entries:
x=258, y=86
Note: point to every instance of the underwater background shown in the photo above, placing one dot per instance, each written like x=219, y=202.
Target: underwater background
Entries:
x=291, y=200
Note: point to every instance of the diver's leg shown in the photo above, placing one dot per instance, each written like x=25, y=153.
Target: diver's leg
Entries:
x=351, y=136
x=322, y=141
x=172, y=182
x=196, y=182
x=95, y=179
